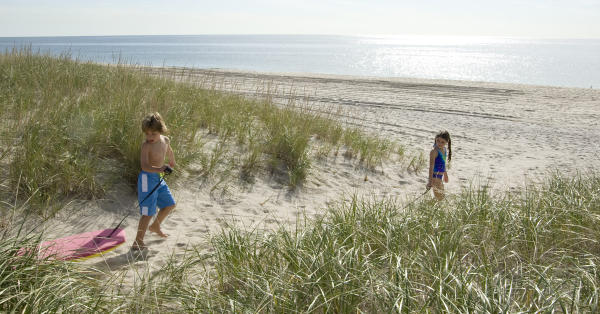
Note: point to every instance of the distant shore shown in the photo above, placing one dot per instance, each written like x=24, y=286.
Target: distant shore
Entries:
x=554, y=62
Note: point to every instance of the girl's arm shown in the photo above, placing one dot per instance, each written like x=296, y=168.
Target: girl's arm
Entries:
x=432, y=155
x=446, y=172
x=144, y=161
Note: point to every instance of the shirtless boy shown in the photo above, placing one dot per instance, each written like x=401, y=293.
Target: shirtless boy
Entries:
x=154, y=150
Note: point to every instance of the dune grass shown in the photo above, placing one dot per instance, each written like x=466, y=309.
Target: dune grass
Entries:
x=532, y=251
x=70, y=129
x=536, y=251
x=28, y=285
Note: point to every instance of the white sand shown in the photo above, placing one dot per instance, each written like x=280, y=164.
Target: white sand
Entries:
x=503, y=134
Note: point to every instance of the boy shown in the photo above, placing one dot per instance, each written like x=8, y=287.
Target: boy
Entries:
x=153, y=153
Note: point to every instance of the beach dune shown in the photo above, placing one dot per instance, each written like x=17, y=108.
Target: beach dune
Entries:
x=503, y=135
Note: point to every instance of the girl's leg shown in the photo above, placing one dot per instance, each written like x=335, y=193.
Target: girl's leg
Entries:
x=438, y=188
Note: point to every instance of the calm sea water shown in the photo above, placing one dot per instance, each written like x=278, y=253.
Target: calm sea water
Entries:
x=572, y=63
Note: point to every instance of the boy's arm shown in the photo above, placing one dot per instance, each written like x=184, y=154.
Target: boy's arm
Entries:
x=170, y=154
x=145, y=164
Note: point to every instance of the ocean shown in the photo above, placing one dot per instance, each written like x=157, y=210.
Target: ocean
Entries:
x=554, y=62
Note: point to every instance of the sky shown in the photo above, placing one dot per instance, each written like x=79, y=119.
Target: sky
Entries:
x=511, y=18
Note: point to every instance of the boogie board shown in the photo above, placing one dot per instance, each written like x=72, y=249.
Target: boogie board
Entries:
x=82, y=246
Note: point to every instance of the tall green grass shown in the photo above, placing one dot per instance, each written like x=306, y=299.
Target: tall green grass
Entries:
x=532, y=251
x=536, y=251
x=71, y=129
x=29, y=285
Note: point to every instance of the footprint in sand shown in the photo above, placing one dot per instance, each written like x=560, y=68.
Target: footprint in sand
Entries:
x=134, y=256
x=200, y=231
x=175, y=219
x=221, y=222
x=169, y=224
x=156, y=241
x=160, y=263
x=251, y=211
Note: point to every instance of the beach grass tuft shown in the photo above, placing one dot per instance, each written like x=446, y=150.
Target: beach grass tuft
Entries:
x=29, y=284
x=71, y=129
x=536, y=250
x=533, y=250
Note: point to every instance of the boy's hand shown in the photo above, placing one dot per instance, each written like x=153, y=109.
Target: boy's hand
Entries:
x=172, y=164
x=446, y=177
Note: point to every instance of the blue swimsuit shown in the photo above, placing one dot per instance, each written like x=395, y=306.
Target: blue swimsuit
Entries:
x=439, y=167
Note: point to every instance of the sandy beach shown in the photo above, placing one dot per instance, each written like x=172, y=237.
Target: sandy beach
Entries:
x=503, y=135
x=296, y=141
x=502, y=132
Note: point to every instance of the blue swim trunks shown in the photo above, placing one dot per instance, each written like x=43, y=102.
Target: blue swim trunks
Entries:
x=161, y=197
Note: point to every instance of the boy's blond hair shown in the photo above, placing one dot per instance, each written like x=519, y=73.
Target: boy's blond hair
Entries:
x=154, y=122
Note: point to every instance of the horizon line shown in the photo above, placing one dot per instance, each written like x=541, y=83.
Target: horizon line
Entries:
x=307, y=34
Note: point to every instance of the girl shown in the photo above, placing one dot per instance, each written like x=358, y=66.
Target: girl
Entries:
x=437, y=164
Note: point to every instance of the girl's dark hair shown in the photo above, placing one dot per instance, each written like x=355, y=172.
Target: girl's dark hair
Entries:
x=445, y=135
x=154, y=122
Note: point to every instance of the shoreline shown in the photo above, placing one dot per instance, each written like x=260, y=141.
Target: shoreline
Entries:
x=346, y=77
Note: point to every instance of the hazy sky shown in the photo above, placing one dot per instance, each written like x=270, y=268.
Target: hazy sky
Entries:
x=527, y=18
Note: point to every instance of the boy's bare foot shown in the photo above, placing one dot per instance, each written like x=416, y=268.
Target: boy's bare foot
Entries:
x=138, y=246
x=157, y=230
